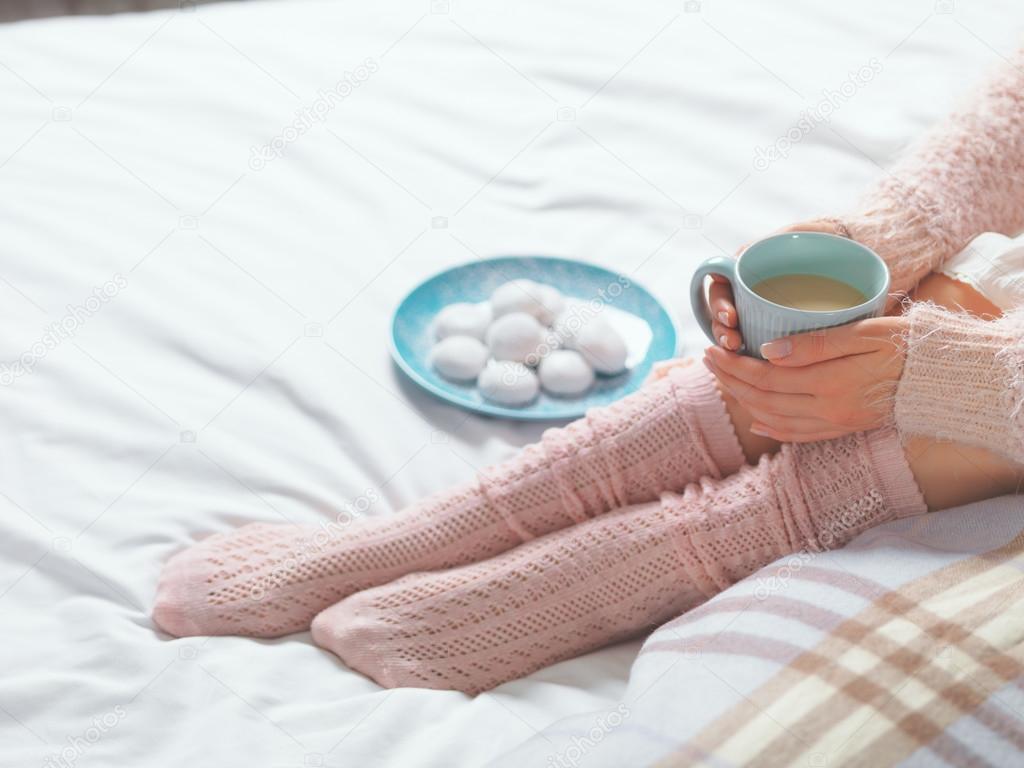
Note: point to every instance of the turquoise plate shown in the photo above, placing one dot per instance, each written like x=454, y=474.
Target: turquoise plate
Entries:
x=650, y=333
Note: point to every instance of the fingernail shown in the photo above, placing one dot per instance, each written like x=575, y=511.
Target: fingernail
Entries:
x=773, y=350
x=724, y=341
x=724, y=317
x=758, y=431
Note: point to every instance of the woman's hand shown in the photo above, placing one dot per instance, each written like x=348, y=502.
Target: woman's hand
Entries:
x=817, y=385
x=724, y=323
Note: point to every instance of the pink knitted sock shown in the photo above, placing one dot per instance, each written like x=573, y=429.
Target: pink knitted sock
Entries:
x=269, y=580
x=474, y=627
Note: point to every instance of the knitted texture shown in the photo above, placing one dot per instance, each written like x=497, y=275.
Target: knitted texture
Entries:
x=963, y=178
x=661, y=438
x=609, y=578
x=963, y=379
x=270, y=580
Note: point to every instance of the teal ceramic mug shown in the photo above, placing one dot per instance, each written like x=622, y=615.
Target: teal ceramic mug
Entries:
x=792, y=253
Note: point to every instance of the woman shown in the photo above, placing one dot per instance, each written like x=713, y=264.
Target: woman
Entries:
x=648, y=507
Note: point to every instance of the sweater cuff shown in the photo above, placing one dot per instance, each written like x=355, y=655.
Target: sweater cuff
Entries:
x=696, y=387
x=895, y=479
x=904, y=233
x=963, y=379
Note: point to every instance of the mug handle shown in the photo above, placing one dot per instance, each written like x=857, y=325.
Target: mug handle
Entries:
x=716, y=265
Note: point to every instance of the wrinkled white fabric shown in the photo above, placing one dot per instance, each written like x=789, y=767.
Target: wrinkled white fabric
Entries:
x=992, y=264
x=239, y=372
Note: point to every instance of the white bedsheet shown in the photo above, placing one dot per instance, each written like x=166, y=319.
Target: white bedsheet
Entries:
x=236, y=369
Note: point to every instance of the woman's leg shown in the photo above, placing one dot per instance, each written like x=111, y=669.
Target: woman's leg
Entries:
x=270, y=580
x=950, y=474
x=577, y=589
x=267, y=580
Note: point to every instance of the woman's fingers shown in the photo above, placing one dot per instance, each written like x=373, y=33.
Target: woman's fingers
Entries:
x=758, y=401
x=761, y=374
x=828, y=226
x=826, y=344
x=720, y=300
x=726, y=338
x=783, y=417
x=724, y=323
x=785, y=435
x=797, y=425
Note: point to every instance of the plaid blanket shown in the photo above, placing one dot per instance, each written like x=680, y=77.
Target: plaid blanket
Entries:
x=904, y=648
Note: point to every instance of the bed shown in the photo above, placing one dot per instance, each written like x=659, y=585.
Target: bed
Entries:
x=207, y=215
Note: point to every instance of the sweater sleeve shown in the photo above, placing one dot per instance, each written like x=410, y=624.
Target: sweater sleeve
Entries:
x=963, y=379
x=965, y=177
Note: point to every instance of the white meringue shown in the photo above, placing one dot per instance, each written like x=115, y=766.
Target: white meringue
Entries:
x=516, y=336
x=459, y=358
x=553, y=303
x=566, y=373
x=508, y=383
x=566, y=325
x=463, y=319
x=601, y=346
x=544, y=302
x=527, y=325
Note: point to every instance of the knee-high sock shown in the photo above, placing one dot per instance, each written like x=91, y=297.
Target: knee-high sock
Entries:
x=269, y=580
x=580, y=588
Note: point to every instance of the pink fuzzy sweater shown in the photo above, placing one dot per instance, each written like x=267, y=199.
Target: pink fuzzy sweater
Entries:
x=964, y=177
x=964, y=377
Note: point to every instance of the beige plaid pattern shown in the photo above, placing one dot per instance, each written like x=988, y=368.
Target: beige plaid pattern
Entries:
x=889, y=680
